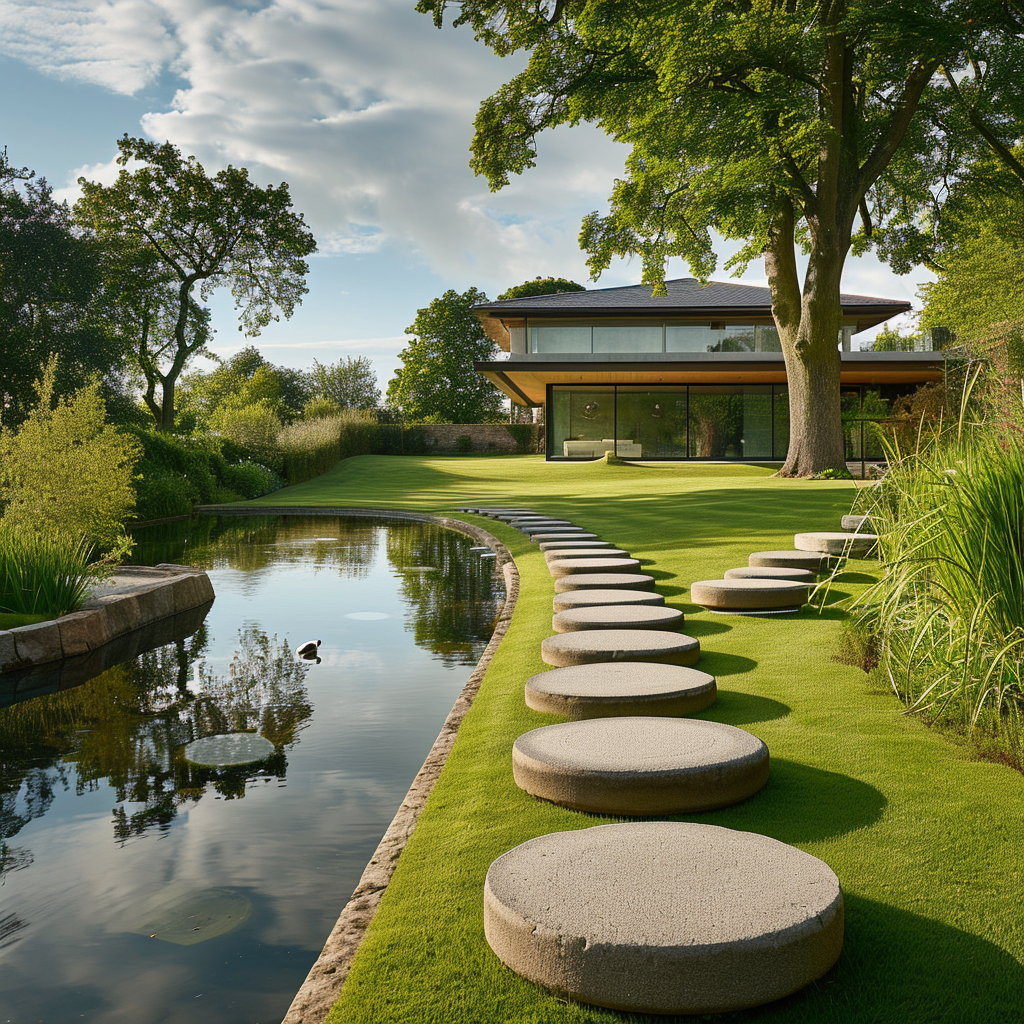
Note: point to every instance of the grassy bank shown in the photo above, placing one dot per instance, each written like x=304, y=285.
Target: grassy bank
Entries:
x=926, y=840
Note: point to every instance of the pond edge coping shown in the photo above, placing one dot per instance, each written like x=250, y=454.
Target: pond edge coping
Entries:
x=320, y=990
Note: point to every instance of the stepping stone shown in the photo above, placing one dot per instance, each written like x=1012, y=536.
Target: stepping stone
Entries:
x=561, y=535
x=750, y=595
x=521, y=517
x=616, y=616
x=847, y=545
x=593, y=646
x=520, y=522
x=603, y=581
x=854, y=523
x=620, y=688
x=789, y=560
x=640, y=766
x=595, y=598
x=560, y=528
x=664, y=916
x=571, y=566
x=574, y=545
x=764, y=572
x=587, y=552
x=228, y=749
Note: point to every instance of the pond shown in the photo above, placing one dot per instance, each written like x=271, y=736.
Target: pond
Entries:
x=139, y=887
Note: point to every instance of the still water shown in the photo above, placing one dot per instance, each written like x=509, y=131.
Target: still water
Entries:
x=138, y=888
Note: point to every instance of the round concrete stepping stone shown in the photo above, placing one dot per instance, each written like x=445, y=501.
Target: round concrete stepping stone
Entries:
x=640, y=766
x=595, y=598
x=559, y=528
x=616, y=689
x=757, y=595
x=854, y=523
x=764, y=572
x=664, y=916
x=789, y=560
x=593, y=646
x=571, y=566
x=848, y=545
x=559, y=535
x=574, y=545
x=616, y=616
x=603, y=581
x=587, y=552
x=227, y=749
x=520, y=522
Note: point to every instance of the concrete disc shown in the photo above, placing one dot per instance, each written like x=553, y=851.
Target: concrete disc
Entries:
x=560, y=528
x=640, y=766
x=854, y=523
x=790, y=560
x=764, y=572
x=603, y=580
x=616, y=616
x=575, y=544
x=559, y=535
x=196, y=915
x=620, y=689
x=227, y=749
x=570, y=566
x=748, y=595
x=587, y=552
x=594, y=598
x=664, y=916
x=593, y=646
x=538, y=521
x=847, y=545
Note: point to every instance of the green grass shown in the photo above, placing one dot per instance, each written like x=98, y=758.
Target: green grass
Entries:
x=926, y=840
x=11, y=620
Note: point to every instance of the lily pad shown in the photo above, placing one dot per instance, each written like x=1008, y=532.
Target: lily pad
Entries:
x=229, y=748
x=193, y=916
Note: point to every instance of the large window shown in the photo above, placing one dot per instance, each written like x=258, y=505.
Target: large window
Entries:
x=669, y=422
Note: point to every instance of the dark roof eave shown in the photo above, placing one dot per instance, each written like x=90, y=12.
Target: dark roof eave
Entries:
x=702, y=312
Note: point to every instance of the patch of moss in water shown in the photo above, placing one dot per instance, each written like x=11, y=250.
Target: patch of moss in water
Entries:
x=194, y=916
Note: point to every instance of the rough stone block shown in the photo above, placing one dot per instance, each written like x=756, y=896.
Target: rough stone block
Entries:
x=38, y=643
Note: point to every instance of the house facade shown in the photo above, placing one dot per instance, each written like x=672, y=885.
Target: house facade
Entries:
x=695, y=374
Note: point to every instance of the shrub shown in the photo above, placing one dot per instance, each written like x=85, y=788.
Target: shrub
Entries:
x=526, y=437
x=309, y=448
x=66, y=470
x=255, y=430
x=163, y=495
x=250, y=479
x=464, y=444
x=321, y=408
x=43, y=573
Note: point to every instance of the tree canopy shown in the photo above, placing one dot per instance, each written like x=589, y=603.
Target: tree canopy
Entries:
x=350, y=383
x=781, y=125
x=541, y=286
x=436, y=381
x=169, y=227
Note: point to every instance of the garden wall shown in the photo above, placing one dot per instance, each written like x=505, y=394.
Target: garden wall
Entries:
x=499, y=438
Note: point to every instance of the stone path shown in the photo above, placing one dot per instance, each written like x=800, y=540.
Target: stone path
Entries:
x=660, y=917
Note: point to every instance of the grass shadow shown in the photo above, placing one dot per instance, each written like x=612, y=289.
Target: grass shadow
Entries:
x=702, y=627
x=720, y=664
x=734, y=707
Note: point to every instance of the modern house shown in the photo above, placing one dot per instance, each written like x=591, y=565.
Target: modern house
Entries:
x=695, y=374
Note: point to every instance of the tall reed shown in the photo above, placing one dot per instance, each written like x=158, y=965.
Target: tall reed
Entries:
x=43, y=574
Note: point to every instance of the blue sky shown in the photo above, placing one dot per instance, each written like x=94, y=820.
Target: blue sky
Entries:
x=363, y=108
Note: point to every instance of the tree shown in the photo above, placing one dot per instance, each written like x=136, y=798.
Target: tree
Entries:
x=170, y=227
x=778, y=124
x=350, y=383
x=49, y=287
x=541, y=286
x=437, y=381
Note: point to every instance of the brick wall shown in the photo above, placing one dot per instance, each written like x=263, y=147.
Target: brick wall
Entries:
x=486, y=437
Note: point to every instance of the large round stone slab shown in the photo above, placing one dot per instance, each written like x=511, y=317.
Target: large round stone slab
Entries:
x=602, y=580
x=587, y=552
x=571, y=566
x=620, y=688
x=593, y=646
x=578, y=534
x=664, y=916
x=854, y=523
x=576, y=544
x=595, y=598
x=227, y=749
x=616, y=616
x=532, y=521
x=748, y=595
x=559, y=528
x=764, y=572
x=790, y=560
x=848, y=545
x=640, y=766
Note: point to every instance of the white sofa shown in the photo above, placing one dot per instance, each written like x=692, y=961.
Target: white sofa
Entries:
x=595, y=449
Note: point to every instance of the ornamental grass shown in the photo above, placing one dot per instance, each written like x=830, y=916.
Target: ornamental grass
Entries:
x=43, y=574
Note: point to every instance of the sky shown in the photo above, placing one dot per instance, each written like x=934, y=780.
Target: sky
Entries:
x=365, y=109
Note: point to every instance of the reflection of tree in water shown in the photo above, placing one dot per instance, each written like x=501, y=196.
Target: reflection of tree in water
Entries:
x=453, y=608
x=128, y=727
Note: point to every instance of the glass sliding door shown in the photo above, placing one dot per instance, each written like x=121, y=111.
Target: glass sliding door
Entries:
x=652, y=423
x=582, y=421
x=780, y=416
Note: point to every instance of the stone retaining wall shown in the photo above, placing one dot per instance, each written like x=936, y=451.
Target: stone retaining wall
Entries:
x=135, y=596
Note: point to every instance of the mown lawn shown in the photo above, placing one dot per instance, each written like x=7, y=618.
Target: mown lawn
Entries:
x=926, y=841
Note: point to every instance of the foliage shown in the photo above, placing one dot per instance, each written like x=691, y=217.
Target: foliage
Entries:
x=350, y=383
x=250, y=479
x=437, y=382
x=254, y=429
x=890, y=340
x=170, y=227
x=526, y=437
x=49, y=297
x=320, y=409
x=463, y=444
x=311, y=447
x=541, y=286
x=772, y=124
x=43, y=573
x=66, y=470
